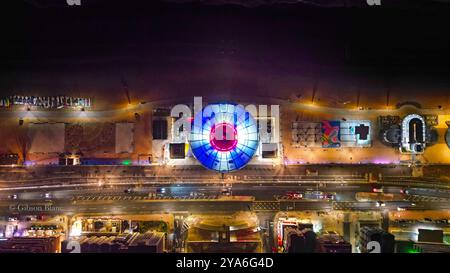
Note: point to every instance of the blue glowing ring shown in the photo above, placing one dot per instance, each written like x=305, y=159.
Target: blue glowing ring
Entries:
x=239, y=142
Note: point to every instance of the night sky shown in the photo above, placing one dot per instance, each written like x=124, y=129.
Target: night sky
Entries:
x=168, y=49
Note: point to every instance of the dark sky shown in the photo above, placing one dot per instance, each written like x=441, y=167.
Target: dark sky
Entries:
x=343, y=36
x=170, y=46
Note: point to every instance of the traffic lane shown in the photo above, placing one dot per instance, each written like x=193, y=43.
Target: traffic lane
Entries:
x=53, y=194
x=344, y=192
x=217, y=206
x=118, y=208
x=329, y=185
x=260, y=192
x=189, y=186
x=395, y=205
x=429, y=192
x=305, y=205
x=322, y=169
x=265, y=192
x=57, y=208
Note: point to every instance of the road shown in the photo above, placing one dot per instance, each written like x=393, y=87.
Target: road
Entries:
x=265, y=183
x=115, y=201
x=345, y=191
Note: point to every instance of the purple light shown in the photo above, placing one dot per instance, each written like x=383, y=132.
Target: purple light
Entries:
x=384, y=161
x=29, y=163
x=293, y=162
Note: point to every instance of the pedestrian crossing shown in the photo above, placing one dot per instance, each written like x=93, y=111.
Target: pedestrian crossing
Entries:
x=421, y=198
x=347, y=205
x=266, y=206
x=138, y=198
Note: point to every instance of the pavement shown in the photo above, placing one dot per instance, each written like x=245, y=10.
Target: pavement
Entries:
x=291, y=111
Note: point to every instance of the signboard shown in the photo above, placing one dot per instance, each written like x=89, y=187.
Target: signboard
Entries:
x=47, y=102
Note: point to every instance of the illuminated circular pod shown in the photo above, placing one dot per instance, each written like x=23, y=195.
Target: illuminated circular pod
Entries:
x=224, y=137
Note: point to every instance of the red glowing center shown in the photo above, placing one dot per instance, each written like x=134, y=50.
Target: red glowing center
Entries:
x=223, y=137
